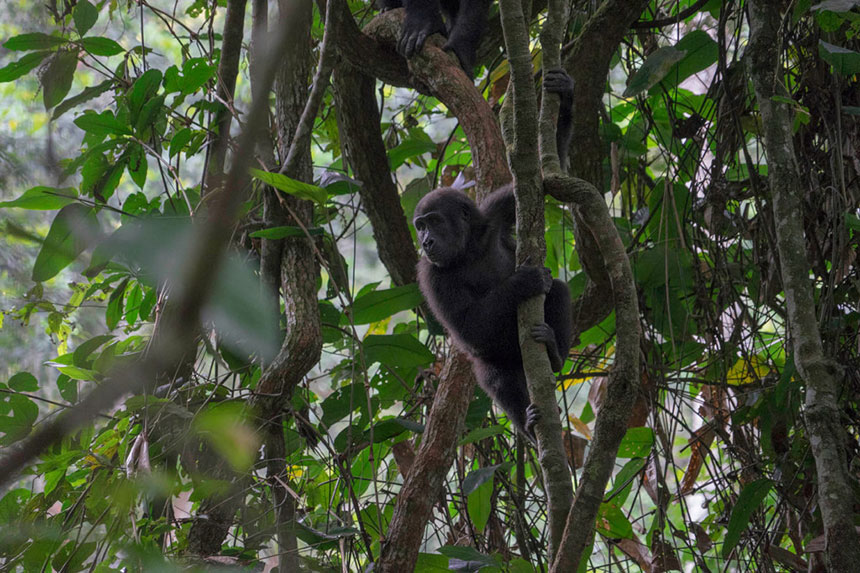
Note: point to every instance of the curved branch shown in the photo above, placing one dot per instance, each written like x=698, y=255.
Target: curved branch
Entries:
x=623, y=386
x=438, y=73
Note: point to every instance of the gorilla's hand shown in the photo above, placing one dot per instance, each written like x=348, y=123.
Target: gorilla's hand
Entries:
x=420, y=23
x=533, y=281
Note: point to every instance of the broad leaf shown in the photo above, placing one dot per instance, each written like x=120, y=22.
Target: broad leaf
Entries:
x=33, y=41
x=43, y=199
x=99, y=46
x=58, y=76
x=654, y=69
x=380, y=304
x=73, y=230
x=291, y=186
x=396, y=350
x=845, y=62
x=23, y=66
x=85, y=16
x=84, y=95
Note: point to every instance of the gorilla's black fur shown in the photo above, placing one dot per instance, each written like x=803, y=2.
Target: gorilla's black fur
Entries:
x=464, y=25
x=469, y=279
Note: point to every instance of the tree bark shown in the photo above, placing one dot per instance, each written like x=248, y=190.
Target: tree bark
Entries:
x=525, y=165
x=623, y=386
x=822, y=375
x=228, y=70
x=359, y=120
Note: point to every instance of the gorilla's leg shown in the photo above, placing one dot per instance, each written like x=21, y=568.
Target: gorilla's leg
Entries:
x=467, y=31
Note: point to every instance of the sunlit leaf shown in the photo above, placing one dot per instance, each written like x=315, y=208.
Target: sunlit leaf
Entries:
x=291, y=186
x=654, y=69
x=43, y=199
x=401, y=350
x=23, y=382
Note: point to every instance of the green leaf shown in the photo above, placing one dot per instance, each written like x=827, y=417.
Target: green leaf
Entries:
x=137, y=166
x=114, y=308
x=291, y=186
x=143, y=89
x=149, y=114
x=396, y=350
x=748, y=501
x=612, y=522
x=101, y=123
x=68, y=388
x=409, y=148
x=33, y=41
x=481, y=434
x=98, y=46
x=637, y=443
x=43, y=199
x=701, y=51
x=23, y=382
x=380, y=304
x=18, y=425
x=74, y=228
x=467, y=554
x=845, y=62
x=80, y=357
x=195, y=73
x=476, y=478
x=623, y=481
x=479, y=505
x=85, y=95
x=654, y=69
x=17, y=69
x=58, y=76
x=179, y=140
x=85, y=16
x=282, y=232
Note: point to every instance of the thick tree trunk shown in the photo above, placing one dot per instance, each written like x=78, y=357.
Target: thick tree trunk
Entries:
x=822, y=376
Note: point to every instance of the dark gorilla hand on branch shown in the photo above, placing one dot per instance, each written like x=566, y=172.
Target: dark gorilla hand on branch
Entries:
x=469, y=279
x=463, y=25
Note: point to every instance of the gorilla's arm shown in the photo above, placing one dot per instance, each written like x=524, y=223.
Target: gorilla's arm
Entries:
x=558, y=82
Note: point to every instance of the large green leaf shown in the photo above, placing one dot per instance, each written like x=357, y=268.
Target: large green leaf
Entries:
x=654, y=69
x=291, y=186
x=479, y=505
x=748, y=501
x=74, y=228
x=99, y=46
x=845, y=62
x=380, y=304
x=396, y=350
x=23, y=66
x=85, y=16
x=43, y=199
x=102, y=123
x=33, y=41
x=409, y=148
x=58, y=76
x=637, y=443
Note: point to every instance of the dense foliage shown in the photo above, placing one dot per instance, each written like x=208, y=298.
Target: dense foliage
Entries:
x=108, y=128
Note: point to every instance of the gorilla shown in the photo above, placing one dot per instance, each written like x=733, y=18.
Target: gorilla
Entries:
x=469, y=279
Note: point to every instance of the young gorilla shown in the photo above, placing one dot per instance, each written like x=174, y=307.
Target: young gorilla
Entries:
x=469, y=277
x=464, y=25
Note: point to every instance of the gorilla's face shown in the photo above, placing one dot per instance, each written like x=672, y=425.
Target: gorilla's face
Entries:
x=442, y=222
